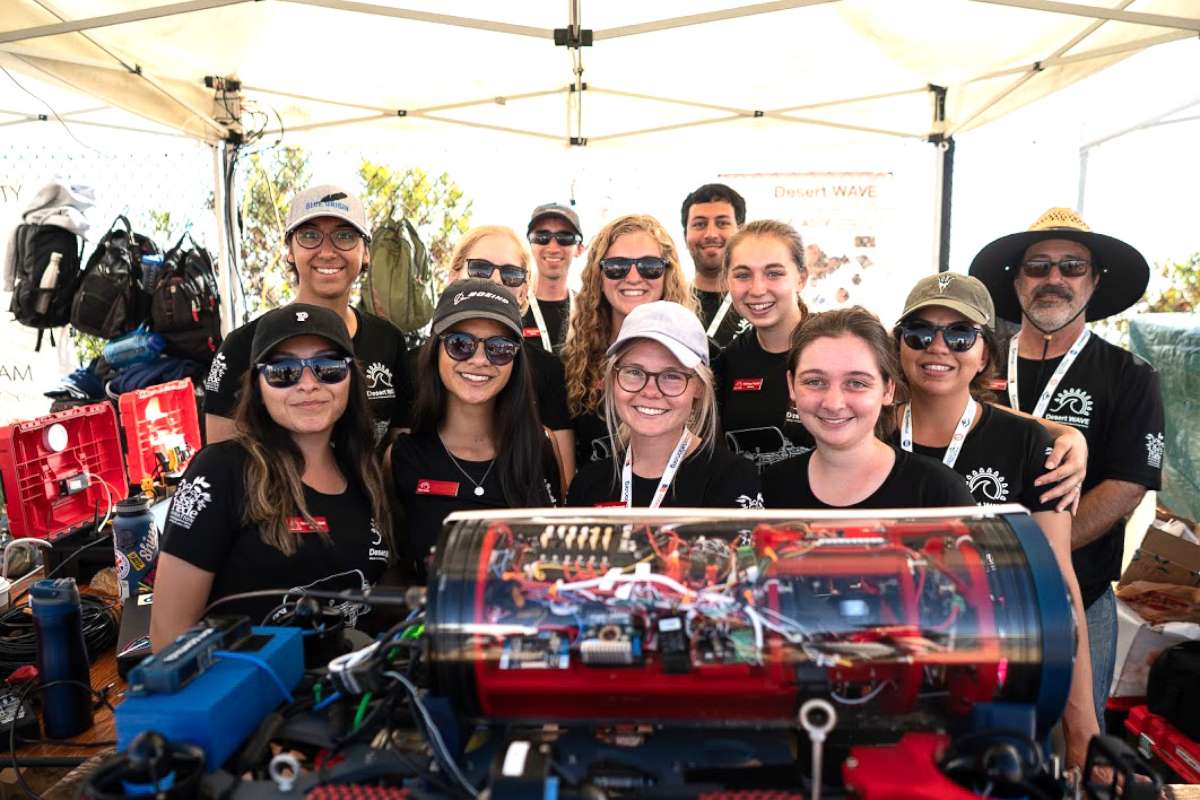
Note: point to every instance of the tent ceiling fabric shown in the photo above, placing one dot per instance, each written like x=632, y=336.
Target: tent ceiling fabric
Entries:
x=661, y=66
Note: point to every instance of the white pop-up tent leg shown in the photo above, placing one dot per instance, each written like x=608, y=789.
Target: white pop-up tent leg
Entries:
x=224, y=206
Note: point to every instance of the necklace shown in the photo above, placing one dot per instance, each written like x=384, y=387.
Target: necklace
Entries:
x=478, y=486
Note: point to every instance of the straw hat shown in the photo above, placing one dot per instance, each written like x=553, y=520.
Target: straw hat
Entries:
x=1124, y=272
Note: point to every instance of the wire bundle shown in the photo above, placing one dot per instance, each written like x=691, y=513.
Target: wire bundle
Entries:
x=18, y=640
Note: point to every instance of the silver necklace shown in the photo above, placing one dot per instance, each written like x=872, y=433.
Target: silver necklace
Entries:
x=478, y=486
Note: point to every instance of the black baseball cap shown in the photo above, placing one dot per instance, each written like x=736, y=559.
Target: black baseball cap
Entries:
x=475, y=298
x=298, y=319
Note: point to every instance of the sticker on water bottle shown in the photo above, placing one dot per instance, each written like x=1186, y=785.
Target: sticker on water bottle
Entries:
x=122, y=566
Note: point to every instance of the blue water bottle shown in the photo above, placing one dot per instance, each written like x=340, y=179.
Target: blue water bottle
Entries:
x=135, y=546
x=136, y=347
x=61, y=656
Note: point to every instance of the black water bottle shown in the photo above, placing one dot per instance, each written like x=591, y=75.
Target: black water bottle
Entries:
x=62, y=658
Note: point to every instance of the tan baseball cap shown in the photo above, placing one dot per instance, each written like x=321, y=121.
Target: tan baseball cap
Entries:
x=327, y=200
x=962, y=293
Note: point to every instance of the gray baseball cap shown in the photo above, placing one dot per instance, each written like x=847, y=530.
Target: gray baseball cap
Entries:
x=555, y=210
x=669, y=324
x=327, y=200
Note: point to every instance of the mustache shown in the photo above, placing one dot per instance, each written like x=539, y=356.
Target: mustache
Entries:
x=1054, y=291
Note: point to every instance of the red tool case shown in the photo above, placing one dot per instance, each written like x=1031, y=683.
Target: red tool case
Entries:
x=1160, y=740
x=162, y=429
x=61, y=471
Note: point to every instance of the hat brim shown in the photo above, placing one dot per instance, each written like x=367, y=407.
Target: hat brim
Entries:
x=533, y=222
x=1124, y=273
x=450, y=320
x=317, y=213
x=346, y=347
x=684, y=354
x=968, y=311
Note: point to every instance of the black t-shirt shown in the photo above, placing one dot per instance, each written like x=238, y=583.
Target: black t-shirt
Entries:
x=756, y=412
x=592, y=442
x=915, y=482
x=706, y=479
x=1000, y=458
x=378, y=347
x=731, y=325
x=1113, y=398
x=557, y=313
x=549, y=386
x=428, y=486
x=205, y=528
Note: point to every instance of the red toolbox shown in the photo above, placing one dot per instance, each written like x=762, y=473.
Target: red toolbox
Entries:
x=1158, y=739
x=62, y=470
x=162, y=429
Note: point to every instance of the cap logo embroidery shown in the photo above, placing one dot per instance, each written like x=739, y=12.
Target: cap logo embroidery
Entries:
x=943, y=282
x=301, y=316
x=461, y=296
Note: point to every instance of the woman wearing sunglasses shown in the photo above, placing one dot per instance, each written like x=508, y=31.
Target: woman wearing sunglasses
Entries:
x=764, y=269
x=631, y=261
x=495, y=253
x=661, y=415
x=843, y=377
x=945, y=347
x=295, y=499
x=476, y=440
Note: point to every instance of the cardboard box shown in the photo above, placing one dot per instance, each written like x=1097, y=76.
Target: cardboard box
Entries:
x=1138, y=644
x=1163, y=558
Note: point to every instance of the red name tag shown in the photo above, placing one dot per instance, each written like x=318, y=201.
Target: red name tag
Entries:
x=531, y=333
x=301, y=525
x=998, y=384
x=443, y=488
x=610, y=504
x=748, y=385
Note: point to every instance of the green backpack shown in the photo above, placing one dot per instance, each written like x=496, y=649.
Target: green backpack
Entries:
x=399, y=285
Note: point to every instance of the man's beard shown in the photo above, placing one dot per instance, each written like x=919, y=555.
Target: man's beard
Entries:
x=1049, y=318
x=710, y=270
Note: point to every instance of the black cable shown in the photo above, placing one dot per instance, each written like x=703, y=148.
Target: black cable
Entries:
x=18, y=639
x=52, y=111
x=366, y=596
x=12, y=732
x=65, y=561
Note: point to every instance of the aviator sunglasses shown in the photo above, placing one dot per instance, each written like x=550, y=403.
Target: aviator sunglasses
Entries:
x=919, y=334
x=285, y=372
x=564, y=238
x=499, y=350
x=649, y=267
x=510, y=274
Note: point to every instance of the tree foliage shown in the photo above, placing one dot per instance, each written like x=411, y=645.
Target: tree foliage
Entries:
x=436, y=206
x=271, y=178
x=1182, y=286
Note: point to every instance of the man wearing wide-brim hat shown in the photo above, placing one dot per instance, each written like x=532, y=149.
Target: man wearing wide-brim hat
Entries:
x=1051, y=280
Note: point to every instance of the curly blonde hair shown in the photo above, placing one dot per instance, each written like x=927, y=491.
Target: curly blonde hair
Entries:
x=591, y=331
x=458, y=258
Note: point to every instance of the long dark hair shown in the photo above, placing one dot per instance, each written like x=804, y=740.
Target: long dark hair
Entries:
x=520, y=440
x=274, y=490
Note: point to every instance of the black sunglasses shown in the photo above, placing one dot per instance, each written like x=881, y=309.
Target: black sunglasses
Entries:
x=284, y=372
x=649, y=267
x=919, y=334
x=564, y=238
x=510, y=274
x=1069, y=267
x=499, y=350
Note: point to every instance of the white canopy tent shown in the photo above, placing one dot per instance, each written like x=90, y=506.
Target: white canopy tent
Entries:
x=571, y=74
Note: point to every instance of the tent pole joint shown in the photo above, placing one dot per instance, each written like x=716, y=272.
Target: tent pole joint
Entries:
x=758, y=113
x=578, y=141
x=401, y=112
x=573, y=37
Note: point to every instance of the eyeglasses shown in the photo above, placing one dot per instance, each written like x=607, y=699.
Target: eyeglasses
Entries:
x=1069, y=267
x=343, y=238
x=649, y=267
x=564, y=238
x=285, y=372
x=499, y=350
x=510, y=274
x=670, y=382
x=919, y=334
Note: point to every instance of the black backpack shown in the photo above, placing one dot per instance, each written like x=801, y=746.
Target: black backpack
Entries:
x=185, y=303
x=1173, y=689
x=111, y=300
x=34, y=245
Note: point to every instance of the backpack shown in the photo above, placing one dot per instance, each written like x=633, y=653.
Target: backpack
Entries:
x=185, y=303
x=110, y=299
x=399, y=284
x=34, y=244
x=1173, y=689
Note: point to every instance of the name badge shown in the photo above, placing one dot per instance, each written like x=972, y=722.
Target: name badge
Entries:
x=531, y=333
x=609, y=504
x=443, y=488
x=301, y=525
x=998, y=384
x=748, y=385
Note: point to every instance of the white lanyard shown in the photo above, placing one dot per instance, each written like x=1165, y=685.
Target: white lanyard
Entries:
x=956, y=441
x=541, y=321
x=664, y=483
x=1014, y=397
x=719, y=317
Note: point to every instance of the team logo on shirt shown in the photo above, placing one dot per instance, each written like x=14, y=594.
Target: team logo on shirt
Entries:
x=988, y=483
x=746, y=501
x=376, y=552
x=215, y=373
x=742, y=326
x=1154, y=450
x=190, y=499
x=1072, y=406
x=379, y=382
